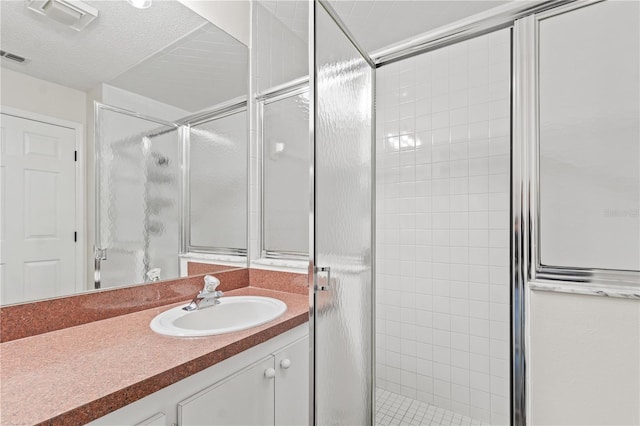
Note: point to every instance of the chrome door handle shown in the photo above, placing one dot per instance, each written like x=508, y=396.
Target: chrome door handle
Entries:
x=326, y=286
x=99, y=254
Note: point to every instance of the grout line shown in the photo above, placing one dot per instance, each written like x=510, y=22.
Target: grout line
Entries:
x=394, y=409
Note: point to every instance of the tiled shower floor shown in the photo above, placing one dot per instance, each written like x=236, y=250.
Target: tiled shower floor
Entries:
x=394, y=409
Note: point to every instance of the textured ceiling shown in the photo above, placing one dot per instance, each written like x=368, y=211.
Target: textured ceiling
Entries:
x=156, y=52
x=121, y=37
x=203, y=69
x=379, y=23
x=124, y=41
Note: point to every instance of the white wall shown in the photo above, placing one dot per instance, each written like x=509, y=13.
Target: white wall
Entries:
x=42, y=97
x=442, y=319
x=584, y=351
x=584, y=363
x=121, y=98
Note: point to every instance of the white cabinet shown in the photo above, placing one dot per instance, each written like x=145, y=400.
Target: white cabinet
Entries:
x=292, y=384
x=244, y=399
x=159, y=419
x=272, y=391
x=264, y=385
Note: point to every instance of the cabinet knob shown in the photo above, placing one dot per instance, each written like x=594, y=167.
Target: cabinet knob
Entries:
x=285, y=363
x=270, y=373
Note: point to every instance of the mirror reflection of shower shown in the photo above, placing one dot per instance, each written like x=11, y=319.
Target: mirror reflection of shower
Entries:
x=160, y=174
x=139, y=183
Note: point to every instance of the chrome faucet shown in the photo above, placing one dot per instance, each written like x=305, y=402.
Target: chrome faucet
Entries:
x=208, y=296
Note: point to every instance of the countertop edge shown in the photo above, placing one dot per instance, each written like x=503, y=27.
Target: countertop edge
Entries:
x=116, y=400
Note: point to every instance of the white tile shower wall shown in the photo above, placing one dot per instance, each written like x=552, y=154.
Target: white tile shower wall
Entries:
x=443, y=189
x=281, y=56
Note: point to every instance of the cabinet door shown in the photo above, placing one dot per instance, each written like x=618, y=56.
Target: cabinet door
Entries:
x=243, y=399
x=292, y=384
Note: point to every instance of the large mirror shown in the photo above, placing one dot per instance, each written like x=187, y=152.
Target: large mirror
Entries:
x=281, y=65
x=124, y=149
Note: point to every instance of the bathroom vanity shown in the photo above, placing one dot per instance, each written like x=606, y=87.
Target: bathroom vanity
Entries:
x=118, y=371
x=264, y=385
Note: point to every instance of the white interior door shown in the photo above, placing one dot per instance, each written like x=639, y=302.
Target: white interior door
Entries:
x=38, y=213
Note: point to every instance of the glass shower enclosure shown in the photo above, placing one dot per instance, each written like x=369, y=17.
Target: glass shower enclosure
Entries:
x=138, y=178
x=341, y=251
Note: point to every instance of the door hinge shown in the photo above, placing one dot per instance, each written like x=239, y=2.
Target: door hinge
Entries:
x=75, y=237
x=75, y=155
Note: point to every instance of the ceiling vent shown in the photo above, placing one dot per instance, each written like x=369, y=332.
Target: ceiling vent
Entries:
x=72, y=13
x=13, y=57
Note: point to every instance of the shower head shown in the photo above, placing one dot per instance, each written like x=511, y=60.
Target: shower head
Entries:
x=160, y=159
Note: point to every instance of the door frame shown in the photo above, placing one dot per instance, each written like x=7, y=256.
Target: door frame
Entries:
x=80, y=190
x=313, y=268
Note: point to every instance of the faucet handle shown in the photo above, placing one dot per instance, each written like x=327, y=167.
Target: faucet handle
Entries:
x=210, y=283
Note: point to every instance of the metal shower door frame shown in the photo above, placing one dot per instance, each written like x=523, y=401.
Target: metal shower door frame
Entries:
x=313, y=268
x=278, y=93
x=235, y=106
x=584, y=280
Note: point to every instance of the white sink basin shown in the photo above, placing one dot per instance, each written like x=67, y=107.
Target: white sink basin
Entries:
x=234, y=313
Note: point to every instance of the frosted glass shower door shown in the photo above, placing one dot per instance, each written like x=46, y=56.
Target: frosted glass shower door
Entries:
x=341, y=249
x=137, y=205
x=217, y=172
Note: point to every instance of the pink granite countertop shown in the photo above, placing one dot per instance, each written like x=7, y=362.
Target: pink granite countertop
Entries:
x=81, y=373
